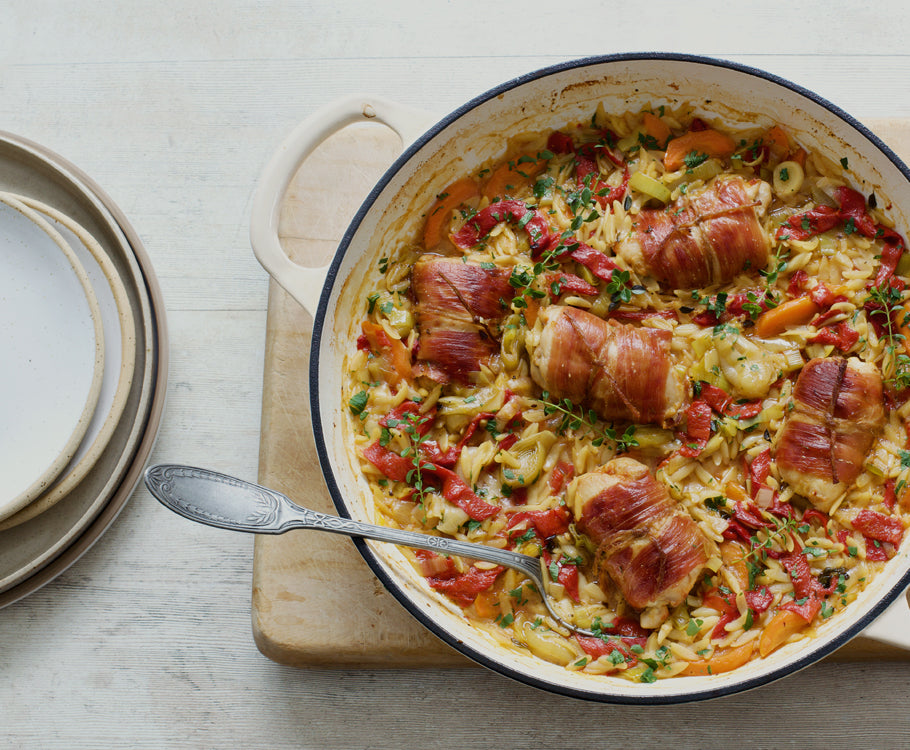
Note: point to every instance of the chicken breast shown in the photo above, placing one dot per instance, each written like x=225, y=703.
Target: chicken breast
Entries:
x=459, y=309
x=701, y=239
x=838, y=412
x=622, y=372
x=648, y=547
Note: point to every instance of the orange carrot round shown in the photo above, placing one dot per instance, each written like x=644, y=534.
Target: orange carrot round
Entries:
x=724, y=660
x=709, y=142
x=447, y=201
x=784, y=624
x=511, y=175
x=656, y=128
x=793, y=312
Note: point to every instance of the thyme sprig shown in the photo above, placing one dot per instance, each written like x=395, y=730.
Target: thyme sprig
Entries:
x=886, y=302
x=409, y=426
x=575, y=418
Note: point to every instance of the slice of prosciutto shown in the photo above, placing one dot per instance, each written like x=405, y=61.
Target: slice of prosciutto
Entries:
x=459, y=308
x=701, y=239
x=838, y=411
x=646, y=545
x=623, y=372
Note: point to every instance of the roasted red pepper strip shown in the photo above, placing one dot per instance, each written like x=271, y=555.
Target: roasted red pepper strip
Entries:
x=422, y=423
x=806, y=608
x=875, y=551
x=722, y=402
x=560, y=476
x=594, y=260
x=889, y=497
x=749, y=516
x=841, y=336
x=566, y=574
x=806, y=588
x=597, y=647
x=817, y=515
x=512, y=211
x=539, y=231
x=698, y=428
x=798, y=282
x=725, y=603
x=853, y=206
x=759, y=599
x=431, y=451
x=852, y=211
x=464, y=587
x=879, y=526
x=560, y=143
x=891, y=255
x=586, y=165
x=454, y=488
x=458, y=493
x=809, y=223
x=388, y=462
x=569, y=283
x=759, y=470
x=546, y=523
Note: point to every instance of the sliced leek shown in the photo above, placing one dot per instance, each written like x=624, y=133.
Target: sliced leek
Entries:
x=649, y=186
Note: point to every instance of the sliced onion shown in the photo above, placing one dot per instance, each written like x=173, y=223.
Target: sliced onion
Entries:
x=764, y=497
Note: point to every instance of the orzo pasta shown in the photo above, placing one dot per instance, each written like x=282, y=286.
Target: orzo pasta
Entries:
x=664, y=355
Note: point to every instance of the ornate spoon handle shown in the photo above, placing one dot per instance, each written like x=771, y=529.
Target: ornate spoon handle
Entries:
x=230, y=503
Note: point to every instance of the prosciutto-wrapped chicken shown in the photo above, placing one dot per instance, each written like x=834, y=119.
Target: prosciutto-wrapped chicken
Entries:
x=622, y=372
x=459, y=308
x=838, y=411
x=701, y=239
x=649, y=548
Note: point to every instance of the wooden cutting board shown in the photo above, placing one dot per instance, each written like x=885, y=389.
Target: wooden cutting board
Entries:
x=315, y=601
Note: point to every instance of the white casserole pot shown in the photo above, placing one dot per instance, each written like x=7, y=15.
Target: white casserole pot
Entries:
x=391, y=215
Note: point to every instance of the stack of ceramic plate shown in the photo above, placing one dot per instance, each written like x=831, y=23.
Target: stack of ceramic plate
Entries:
x=83, y=364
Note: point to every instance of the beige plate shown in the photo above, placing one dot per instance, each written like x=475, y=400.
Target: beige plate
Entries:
x=119, y=360
x=53, y=350
x=34, y=552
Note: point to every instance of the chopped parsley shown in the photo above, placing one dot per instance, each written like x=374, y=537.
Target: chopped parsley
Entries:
x=358, y=403
x=694, y=158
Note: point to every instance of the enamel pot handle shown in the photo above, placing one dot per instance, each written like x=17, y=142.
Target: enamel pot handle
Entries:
x=305, y=283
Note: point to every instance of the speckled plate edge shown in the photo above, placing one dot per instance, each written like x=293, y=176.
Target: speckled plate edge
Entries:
x=65, y=452
x=158, y=358
x=126, y=371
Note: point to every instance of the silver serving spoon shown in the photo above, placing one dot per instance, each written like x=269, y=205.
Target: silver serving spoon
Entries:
x=229, y=503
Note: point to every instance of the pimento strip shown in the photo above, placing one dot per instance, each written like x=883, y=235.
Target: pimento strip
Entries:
x=453, y=488
x=541, y=235
x=852, y=213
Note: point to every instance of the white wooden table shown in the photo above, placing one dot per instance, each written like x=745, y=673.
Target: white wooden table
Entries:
x=174, y=106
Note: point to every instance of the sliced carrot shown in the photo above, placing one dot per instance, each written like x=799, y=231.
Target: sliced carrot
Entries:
x=656, y=128
x=393, y=351
x=734, y=556
x=784, y=624
x=735, y=492
x=531, y=312
x=485, y=604
x=723, y=660
x=799, y=156
x=778, y=143
x=710, y=142
x=447, y=201
x=793, y=312
x=508, y=177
